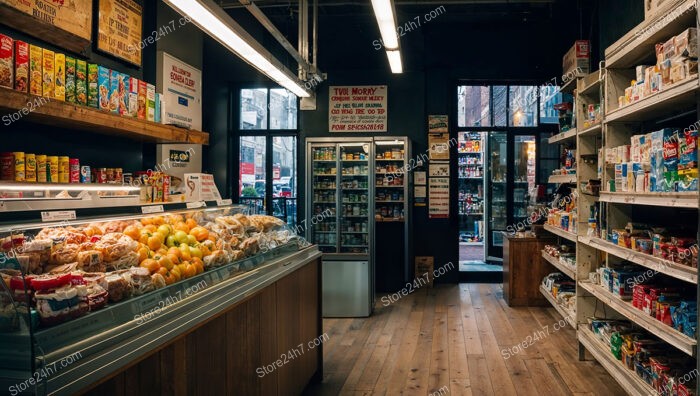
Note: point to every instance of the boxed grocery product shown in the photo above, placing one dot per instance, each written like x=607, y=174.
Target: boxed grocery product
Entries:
x=36, y=64
x=142, y=101
x=636, y=148
x=646, y=148
x=623, y=283
x=49, y=73
x=81, y=90
x=21, y=66
x=670, y=159
x=688, y=161
x=656, y=154
x=665, y=73
x=103, y=87
x=624, y=178
x=133, y=97
x=657, y=80
x=659, y=50
x=678, y=72
x=670, y=49
x=60, y=77
x=158, y=110
x=623, y=153
x=691, y=67
x=686, y=43
x=618, y=177
x=577, y=59
x=70, y=79
x=641, y=72
x=6, y=62
x=150, y=102
x=118, y=93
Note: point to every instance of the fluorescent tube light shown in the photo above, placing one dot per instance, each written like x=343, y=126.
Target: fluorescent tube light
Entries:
x=222, y=28
x=384, y=12
x=395, y=61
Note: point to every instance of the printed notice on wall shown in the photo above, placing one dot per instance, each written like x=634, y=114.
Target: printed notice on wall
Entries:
x=419, y=195
x=437, y=123
x=119, y=29
x=358, y=108
x=439, y=146
x=439, y=197
x=73, y=16
x=439, y=169
x=181, y=85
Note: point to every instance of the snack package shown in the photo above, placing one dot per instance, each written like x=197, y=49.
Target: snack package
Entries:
x=21, y=66
x=133, y=97
x=688, y=161
x=150, y=102
x=118, y=93
x=103, y=87
x=656, y=155
x=93, y=87
x=670, y=159
x=81, y=93
x=49, y=87
x=60, y=77
x=36, y=63
x=70, y=79
x=6, y=61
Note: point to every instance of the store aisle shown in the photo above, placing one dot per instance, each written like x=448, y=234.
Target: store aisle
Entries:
x=449, y=341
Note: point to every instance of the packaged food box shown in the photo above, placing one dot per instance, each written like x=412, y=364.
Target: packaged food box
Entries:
x=678, y=72
x=150, y=102
x=118, y=93
x=688, y=161
x=670, y=49
x=103, y=87
x=70, y=79
x=81, y=90
x=36, y=64
x=6, y=62
x=686, y=43
x=60, y=77
x=142, y=101
x=656, y=155
x=646, y=149
x=578, y=59
x=691, y=67
x=665, y=73
x=21, y=66
x=158, y=110
x=133, y=97
x=49, y=72
x=636, y=148
x=670, y=159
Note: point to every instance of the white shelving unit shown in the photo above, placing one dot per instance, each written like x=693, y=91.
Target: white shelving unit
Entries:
x=568, y=315
x=569, y=236
x=560, y=179
x=566, y=269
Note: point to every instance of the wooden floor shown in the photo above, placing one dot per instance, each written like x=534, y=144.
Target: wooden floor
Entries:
x=449, y=341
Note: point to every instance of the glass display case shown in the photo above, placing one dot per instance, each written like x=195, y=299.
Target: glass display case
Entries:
x=324, y=197
x=110, y=278
x=523, y=175
x=498, y=195
x=471, y=187
x=354, y=195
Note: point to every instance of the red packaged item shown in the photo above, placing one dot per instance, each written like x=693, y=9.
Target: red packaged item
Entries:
x=6, y=62
x=62, y=304
x=21, y=290
x=166, y=188
x=638, y=294
x=7, y=164
x=663, y=312
x=21, y=66
x=48, y=282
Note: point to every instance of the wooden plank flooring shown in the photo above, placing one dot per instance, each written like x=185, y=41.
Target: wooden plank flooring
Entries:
x=453, y=340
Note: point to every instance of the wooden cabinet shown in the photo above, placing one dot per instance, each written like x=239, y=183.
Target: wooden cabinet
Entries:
x=523, y=270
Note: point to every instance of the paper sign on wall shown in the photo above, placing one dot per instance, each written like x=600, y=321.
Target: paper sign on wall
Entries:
x=357, y=108
x=181, y=85
x=437, y=123
x=439, y=146
x=439, y=169
x=201, y=187
x=439, y=198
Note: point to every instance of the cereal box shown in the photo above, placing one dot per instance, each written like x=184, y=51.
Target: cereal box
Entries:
x=6, y=62
x=133, y=97
x=118, y=93
x=656, y=156
x=688, y=161
x=151, y=103
x=670, y=151
x=159, y=108
x=60, y=76
x=70, y=79
x=93, y=88
x=36, y=64
x=49, y=87
x=142, y=103
x=21, y=66
x=103, y=87
x=81, y=91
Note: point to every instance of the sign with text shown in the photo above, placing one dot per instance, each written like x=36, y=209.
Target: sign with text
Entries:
x=119, y=29
x=358, y=108
x=439, y=197
x=437, y=123
x=181, y=85
x=72, y=16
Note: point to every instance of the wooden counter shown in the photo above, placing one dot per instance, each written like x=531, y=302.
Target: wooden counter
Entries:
x=523, y=270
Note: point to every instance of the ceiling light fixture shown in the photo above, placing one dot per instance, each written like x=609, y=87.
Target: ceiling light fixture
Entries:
x=385, y=13
x=213, y=20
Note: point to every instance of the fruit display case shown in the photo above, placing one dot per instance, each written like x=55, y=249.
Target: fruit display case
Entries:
x=128, y=291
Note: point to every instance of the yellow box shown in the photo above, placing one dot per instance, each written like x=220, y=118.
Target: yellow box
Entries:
x=60, y=77
x=48, y=70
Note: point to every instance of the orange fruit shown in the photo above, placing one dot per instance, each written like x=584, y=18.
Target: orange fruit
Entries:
x=173, y=258
x=164, y=261
x=143, y=252
x=197, y=262
x=181, y=226
x=154, y=242
x=162, y=251
x=175, y=252
x=190, y=271
x=143, y=238
x=151, y=265
x=146, y=221
x=174, y=219
x=150, y=228
x=200, y=233
x=158, y=221
x=191, y=223
x=132, y=232
x=163, y=271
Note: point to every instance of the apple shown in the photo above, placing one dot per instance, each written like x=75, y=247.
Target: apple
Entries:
x=181, y=237
x=165, y=229
x=191, y=240
x=171, y=241
x=195, y=251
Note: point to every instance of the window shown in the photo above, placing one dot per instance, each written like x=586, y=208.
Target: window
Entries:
x=498, y=105
x=523, y=106
x=253, y=109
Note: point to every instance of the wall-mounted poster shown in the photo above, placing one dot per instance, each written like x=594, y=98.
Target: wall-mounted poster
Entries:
x=437, y=123
x=119, y=29
x=181, y=85
x=357, y=108
x=74, y=16
x=439, y=146
x=439, y=169
x=439, y=198
x=419, y=195
x=420, y=178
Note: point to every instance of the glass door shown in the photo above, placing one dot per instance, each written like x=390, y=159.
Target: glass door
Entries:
x=524, y=175
x=470, y=159
x=390, y=181
x=355, y=198
x=324, y=199
x=497, y=190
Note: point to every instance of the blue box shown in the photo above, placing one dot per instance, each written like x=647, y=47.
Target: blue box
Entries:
x=103, y=87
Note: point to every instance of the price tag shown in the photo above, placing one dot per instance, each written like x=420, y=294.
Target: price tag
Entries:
x=195, y=205
x=152, y=209
x=60, y=215
x=224, y=202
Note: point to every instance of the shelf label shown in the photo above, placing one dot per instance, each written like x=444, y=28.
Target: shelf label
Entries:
x=224, y=202
x=60, y=215
x=196, y=205
x=152, y=209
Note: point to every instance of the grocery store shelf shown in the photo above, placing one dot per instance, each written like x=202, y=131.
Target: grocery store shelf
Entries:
x=560, y=232
x=637, y=46
x=649, y=323
x=568, y=316
x=591, y=84
x=566, y=269
x=381, y=186
x=595, y=129
x=627, y=378
x=675, y=200
x=569, y=86
x=563, y=137
x=471, y=244
x=62, y=114
x=389, y=159
x=560, y=179
x=669, y=268
x=660, y=104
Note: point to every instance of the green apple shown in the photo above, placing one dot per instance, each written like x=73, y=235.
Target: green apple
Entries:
x=171, y=241
x=195, y=251
x=181, y=237
x=191, y=240
x=165, y=229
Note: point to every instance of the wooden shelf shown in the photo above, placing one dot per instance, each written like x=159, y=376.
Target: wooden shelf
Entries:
x=560, y=179
x=567, y=270
x=660, y=104
x=563, y=137
x=669, y=268
x=569, y=86
x=70, y=116
x=674, y=200
x=568, y=316
x=595, y=129
x=560, y=232
x=650, y=324
x=627, y=378
x=591, y=84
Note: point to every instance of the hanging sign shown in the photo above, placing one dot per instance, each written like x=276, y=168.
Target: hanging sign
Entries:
x=73, y=16
x=357, y=108
x=119, y=29
x=181, y=85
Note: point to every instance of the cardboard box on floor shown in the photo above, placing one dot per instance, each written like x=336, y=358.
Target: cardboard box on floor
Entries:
x=425, y=264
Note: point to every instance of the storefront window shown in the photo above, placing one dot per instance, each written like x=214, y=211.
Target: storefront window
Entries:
x=498, y=105
x=474, y=106
x=523, y=106
x=253, y=108
x=283, y=109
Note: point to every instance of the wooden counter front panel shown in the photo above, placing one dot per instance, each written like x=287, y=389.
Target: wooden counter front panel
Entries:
x=523, y=270
x=221, y=357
